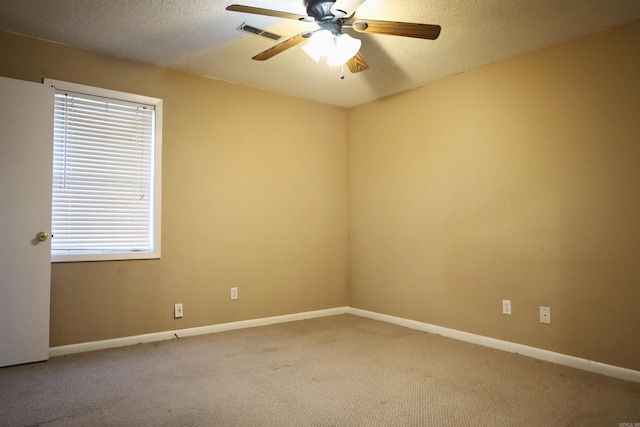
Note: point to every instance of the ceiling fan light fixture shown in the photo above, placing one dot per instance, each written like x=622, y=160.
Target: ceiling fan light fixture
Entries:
x=337, y=49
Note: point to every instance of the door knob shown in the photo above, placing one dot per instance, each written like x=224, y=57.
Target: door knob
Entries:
x=41, y=236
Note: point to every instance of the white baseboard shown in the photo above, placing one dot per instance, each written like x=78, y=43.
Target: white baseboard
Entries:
x=537, y=353
x=181, y=333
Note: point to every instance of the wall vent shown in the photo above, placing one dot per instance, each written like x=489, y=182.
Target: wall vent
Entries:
x=258, y=31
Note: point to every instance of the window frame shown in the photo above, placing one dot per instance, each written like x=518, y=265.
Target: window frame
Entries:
x=154, y=253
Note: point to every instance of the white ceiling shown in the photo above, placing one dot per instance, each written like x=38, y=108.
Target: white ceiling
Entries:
x=200, y=36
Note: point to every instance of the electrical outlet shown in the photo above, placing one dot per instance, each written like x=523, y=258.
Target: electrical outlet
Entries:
x=545, y=314
x=177, y=310
x=234, y=293
x=506, y=306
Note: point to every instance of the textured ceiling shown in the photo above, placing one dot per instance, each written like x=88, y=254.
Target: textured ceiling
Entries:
x=201, y=37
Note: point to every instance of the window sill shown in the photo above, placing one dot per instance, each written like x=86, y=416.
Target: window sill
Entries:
x=103, y=256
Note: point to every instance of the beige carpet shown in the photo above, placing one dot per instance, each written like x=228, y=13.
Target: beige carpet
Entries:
x=335, y=371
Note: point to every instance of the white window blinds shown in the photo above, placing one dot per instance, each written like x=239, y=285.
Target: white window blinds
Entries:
x=103, y=175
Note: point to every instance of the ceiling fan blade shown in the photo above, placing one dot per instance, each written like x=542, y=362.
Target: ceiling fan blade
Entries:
x=357, y=63
x=345, y=7
x=268, y=12
x=281, y=47
x=405, y=29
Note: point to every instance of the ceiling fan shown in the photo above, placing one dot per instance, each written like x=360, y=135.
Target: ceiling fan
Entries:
x=329, y=40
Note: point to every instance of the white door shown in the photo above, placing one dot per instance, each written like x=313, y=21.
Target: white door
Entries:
x=26, y=157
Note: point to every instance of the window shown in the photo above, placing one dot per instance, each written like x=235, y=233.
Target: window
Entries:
x=106, y=174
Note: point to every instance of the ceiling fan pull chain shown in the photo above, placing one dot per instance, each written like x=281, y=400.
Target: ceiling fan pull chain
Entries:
x=342, y=73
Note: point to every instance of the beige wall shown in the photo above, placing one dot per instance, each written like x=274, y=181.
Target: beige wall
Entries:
x=252, y=197
x=520, y=181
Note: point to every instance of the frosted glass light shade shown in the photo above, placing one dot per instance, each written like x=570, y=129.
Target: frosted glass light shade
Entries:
x=338, y=49
x=344, y=49
x=319, y=44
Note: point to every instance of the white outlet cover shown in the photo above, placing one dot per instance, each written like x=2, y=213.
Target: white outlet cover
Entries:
x=545, y=314
x=506, y=306
x=234, y=293
x=177, y=310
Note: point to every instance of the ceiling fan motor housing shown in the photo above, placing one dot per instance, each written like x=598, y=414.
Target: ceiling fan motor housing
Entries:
x=320, y=9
